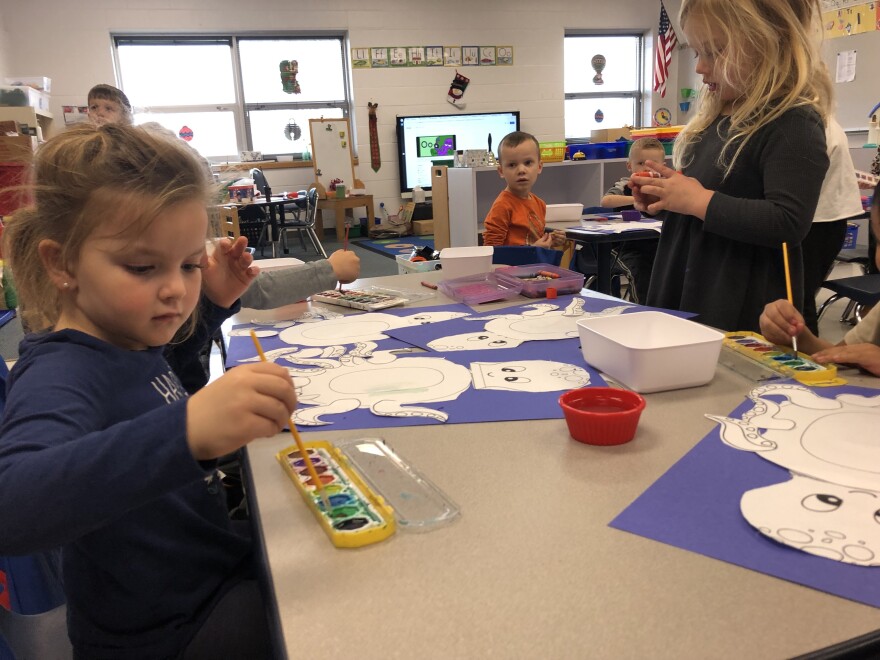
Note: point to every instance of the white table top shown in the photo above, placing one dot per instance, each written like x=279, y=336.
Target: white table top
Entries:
x=531, y=568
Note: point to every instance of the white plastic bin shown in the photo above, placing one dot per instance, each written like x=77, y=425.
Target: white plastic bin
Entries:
x=651, y=351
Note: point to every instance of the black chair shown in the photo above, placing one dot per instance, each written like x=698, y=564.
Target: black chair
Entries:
x=302, y=221
x=862, y=291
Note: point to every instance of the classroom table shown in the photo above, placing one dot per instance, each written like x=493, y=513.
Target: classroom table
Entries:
x=604, y=244
x=531, y=568
x=339, y=205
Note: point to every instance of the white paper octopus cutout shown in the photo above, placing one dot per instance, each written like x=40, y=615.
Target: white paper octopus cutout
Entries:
x=831, y=505
x=542, y=322
x=358, y=328
x=390, y=386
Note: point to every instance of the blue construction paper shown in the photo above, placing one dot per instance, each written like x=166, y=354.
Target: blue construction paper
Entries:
x=695, y=506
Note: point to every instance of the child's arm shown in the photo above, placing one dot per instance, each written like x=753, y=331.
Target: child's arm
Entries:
x=496, y=226
x=610, y=201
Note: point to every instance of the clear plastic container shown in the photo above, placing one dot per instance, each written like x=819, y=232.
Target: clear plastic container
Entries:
x=481, y=288
x=568, y=281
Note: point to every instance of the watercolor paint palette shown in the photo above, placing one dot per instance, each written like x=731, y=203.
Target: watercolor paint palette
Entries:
x=370, y=302
x=771, y=361
x=358, y=516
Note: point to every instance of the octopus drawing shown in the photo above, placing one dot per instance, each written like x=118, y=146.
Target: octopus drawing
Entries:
x=540, y=322
x=392, y=385
x=831, y=505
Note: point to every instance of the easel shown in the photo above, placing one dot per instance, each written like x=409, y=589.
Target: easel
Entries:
x=332, y=155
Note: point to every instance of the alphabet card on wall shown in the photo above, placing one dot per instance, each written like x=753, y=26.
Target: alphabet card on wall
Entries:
x=801, y=467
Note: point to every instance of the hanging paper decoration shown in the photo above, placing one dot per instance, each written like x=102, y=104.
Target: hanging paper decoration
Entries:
x=598, y=63
x=456, y=90
x=185, y=133
x=289, y=69
x=292, y=131
x=375, y=160
x=599, y=116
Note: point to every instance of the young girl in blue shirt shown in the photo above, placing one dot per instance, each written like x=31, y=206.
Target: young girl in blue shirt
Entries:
x=102, y=452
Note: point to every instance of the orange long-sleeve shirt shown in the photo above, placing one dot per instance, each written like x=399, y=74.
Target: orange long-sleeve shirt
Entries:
x=514, y=221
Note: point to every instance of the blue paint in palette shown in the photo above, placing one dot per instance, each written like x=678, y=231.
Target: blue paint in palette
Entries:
x=779, y=360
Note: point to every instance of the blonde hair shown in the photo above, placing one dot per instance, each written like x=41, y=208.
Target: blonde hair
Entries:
x=643, y=144
x=774, y=42
x=83, y=178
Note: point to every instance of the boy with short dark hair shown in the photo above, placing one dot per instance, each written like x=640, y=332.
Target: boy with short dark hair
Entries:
x=517, y=215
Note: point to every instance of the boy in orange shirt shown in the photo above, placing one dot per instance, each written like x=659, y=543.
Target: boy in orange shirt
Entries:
x=517, y=215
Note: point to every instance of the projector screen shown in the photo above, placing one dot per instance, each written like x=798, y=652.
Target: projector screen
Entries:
x=427, y=140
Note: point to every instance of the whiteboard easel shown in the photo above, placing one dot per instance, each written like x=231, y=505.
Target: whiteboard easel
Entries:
x=332, y=155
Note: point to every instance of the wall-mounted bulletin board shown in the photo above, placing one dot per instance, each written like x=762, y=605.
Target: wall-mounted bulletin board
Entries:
x=332, y=154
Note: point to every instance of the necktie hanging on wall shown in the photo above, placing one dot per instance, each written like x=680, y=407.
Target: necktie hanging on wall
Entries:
x=375, y=160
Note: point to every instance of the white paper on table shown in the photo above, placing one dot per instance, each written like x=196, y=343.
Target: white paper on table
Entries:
x=846, y=66
x=619, y=227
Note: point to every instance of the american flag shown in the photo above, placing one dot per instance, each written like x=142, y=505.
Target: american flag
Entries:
x=666, y=42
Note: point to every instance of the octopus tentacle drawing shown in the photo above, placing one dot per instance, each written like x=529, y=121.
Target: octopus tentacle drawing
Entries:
x=831, y=505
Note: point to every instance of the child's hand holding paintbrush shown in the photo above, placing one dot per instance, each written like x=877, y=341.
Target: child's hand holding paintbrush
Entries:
x=248, y=402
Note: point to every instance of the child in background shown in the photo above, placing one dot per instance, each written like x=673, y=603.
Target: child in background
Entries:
x=748, y=166
x=102, y=452
x=517, y=215
x=636, y=256
x=275, y=288
x=839, y=201
x=780, y=321
x=109, y=105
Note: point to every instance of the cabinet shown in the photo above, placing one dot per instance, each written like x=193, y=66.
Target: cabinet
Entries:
x=29, y=116
x=471, y=191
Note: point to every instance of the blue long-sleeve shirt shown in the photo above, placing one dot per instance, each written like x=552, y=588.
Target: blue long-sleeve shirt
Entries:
x=94, y=458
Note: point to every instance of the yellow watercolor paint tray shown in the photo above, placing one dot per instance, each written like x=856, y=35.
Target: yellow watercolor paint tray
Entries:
x=357, y=516
x=774, y=361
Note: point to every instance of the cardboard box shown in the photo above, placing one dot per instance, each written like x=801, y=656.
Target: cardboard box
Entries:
x=610, y=134
x=16, y=149
x=423, y=227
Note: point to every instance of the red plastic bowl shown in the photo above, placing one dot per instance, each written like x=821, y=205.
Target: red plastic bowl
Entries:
x=602, y=415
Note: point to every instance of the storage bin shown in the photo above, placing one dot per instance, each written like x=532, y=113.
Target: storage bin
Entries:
x=851, y=237
x=552, y=152
x=481, y=288
x=41, y=83
x=462, y=261
x=568, y=281
x=405, y=266
x=23, y=97
x=651, y=351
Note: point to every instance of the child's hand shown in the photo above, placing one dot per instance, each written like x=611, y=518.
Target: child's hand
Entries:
x=866, y=356
x=546, y=241
x=780, y=321
x=346, y=265
x=558, y=239
x=250, y=401
x=672, y=192
x=228, y=272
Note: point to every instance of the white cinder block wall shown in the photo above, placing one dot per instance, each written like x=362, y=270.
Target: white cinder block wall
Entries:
x=70, y=43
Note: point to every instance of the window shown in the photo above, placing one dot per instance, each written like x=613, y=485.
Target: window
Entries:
x=226, y=94
x=617, y=99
